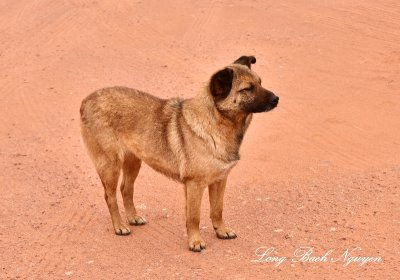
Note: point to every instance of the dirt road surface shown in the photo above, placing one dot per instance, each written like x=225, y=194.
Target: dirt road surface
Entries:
x=321, y=171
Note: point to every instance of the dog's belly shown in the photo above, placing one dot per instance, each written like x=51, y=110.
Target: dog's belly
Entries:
x=209, y=171
x=172, y=173
x=166, y=164
x=223, y=173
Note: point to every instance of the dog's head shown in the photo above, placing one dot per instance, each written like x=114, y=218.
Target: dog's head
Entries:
x=237, y=89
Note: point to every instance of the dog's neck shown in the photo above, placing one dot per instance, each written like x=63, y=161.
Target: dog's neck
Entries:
x=224, y=132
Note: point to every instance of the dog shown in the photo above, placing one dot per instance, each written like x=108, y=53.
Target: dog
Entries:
x=194, y=141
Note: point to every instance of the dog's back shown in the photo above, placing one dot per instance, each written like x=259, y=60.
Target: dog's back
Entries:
x=117, y=106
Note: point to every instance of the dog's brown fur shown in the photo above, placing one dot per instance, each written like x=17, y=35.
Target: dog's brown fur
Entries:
x=194, y=141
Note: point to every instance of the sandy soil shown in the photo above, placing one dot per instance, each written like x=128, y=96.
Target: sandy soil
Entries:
x=322, y=170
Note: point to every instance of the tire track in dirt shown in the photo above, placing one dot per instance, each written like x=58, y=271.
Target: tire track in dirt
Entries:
x=144, y=32
x=78, y=218
x=342, y=147
x=57, y=235
x=348, y=149
x=43, y=32
x=29, y=101
x=204, y=21
x=78, y=223
x=323, y=139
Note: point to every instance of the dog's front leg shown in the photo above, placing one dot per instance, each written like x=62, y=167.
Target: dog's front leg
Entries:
x=216, y=192
x=194, y=192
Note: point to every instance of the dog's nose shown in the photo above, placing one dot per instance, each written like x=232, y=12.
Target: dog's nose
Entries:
x=275, y=100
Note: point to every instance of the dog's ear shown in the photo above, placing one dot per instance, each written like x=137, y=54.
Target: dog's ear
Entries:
x=221, y=83
x=245, y=60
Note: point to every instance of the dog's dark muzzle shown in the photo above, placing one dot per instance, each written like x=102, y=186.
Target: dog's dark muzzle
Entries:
x=273, y=102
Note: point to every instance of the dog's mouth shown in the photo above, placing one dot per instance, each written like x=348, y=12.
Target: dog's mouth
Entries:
x=271, y=106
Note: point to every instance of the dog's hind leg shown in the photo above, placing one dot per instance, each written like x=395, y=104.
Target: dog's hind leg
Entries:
x=130, y=167
x=104, y=154
x=109, y=174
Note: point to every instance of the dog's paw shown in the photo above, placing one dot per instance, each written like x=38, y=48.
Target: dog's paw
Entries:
x=225, y=233
x=137, y=221
x=196, y=244
x=122, y=230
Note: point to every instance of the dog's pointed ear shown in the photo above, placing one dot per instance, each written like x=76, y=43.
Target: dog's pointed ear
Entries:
x=245, y=60
x=221, y=83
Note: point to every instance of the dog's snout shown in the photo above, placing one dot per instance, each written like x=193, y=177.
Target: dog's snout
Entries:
x=275, y=100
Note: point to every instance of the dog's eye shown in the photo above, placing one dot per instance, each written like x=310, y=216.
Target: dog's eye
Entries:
x=249, y=88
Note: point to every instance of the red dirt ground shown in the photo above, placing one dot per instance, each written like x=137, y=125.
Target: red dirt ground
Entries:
x=322, y=170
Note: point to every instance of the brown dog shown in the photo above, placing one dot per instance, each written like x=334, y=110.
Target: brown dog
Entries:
x=194, y=141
